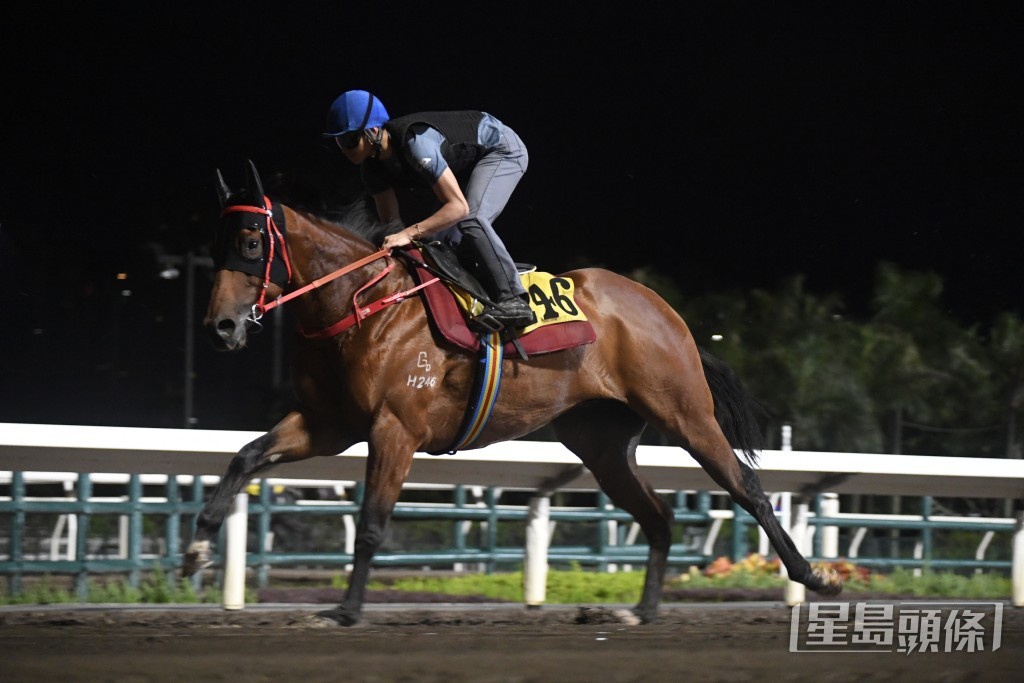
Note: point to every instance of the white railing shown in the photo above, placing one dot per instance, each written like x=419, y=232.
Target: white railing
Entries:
x=526, y=465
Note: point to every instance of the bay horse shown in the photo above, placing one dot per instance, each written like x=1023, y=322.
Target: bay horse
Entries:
x=643, y=368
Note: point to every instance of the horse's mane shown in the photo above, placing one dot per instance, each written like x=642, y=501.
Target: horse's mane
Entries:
x=353, y=211
x=358, y=216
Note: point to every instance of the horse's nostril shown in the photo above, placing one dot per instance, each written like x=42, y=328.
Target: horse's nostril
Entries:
x=225, y=333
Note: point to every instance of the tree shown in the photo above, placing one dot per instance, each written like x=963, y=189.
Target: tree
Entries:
x=909, y=378
x=1007, y=360
x=929, y=374
x=800, y=356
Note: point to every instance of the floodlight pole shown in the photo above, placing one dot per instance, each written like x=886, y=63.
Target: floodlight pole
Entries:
x=190, y=333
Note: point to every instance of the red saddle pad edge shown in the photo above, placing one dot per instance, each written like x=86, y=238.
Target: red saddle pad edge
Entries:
x=450, y=323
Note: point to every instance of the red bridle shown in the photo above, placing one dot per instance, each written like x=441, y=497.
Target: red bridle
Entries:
x=273, y=235
x=358, y=313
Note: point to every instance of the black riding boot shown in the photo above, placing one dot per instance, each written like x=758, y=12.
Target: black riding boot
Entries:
x=511, y=310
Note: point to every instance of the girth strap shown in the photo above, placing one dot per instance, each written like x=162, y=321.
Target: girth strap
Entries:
x=485, y=388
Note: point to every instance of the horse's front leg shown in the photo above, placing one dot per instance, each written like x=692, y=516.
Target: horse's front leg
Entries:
x=292, y=439
x=391, y=448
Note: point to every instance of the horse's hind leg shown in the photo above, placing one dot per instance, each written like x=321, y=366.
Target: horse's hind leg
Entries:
x=290, y=440
x=710, y=448
x=605, y=434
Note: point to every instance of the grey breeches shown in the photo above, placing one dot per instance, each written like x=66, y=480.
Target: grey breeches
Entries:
x=489, y=187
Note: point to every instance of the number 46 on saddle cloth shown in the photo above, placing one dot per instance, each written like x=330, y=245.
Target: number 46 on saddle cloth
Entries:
x=560, y=322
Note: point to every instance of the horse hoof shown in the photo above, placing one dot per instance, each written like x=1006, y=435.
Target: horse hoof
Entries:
x=603, y=615
x=642, y=616
x=828, y=581
x=197, y=557
x=340, y=615
x=311, y=621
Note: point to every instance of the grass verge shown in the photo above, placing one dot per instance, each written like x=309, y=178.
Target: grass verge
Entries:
x=564, y=586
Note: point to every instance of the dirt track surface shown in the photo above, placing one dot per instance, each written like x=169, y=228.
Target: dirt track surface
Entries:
x=454, y=644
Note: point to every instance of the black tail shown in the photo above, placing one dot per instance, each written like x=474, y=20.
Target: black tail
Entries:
x=736, y=410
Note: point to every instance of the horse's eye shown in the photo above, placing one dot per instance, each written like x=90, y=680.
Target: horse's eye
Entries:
x=252, y=247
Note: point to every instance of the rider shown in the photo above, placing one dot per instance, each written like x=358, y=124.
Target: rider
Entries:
x=471, y=161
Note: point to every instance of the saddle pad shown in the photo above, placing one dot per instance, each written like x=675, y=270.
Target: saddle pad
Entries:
x=449, y=321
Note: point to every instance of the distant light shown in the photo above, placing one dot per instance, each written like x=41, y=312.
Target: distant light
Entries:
x=122, y=276
x=717, y=337
x=170, y=273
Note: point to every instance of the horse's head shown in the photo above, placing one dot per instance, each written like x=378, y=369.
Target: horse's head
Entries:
x=250, y=259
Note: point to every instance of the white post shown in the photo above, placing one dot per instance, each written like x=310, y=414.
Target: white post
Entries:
x=122, y=537
x=350, y=526
x=1018, y=562
x=979, y=554
x=72, y=553
x=234, y=553
x=787, y=437
x=794, y=522
x=72, y=520
x=786, y=499
x=350, y=537
x=535, y=565
x=830, y=534
x=613, y=537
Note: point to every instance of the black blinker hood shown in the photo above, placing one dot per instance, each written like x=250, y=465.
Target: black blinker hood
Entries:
x=225, y=254
x=230, y=259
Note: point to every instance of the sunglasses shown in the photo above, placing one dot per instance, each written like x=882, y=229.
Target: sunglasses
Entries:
x=349, y=140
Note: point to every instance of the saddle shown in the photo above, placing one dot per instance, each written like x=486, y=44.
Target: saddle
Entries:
x=450, y=310
x=560, y=323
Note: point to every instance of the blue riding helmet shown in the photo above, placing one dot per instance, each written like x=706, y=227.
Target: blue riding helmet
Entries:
x=355, y=110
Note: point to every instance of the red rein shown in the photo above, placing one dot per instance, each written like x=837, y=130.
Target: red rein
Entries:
x=358, y=313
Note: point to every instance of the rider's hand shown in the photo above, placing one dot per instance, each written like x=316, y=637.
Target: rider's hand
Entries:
x=397, y=239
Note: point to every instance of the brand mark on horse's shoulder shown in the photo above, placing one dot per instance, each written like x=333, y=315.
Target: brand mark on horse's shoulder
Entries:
x=420, y=381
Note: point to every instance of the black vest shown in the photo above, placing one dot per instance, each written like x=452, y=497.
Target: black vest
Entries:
x=460, y=150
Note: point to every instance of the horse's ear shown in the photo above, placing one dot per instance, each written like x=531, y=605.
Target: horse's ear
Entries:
x=223, y=191
x=253, y=186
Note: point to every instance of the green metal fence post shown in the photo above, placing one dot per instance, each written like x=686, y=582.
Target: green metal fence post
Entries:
x=172, y=524
x=603, y=504
x=135, y=529
x=197, y=498
x=17, y=530
x=679, y=506
x=818, y=529
x=703, y=502
x=459, y=498
x=492, y=528
x=82, y=537
x=926, y=532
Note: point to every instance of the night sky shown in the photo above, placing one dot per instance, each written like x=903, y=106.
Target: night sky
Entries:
x=728, y=145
